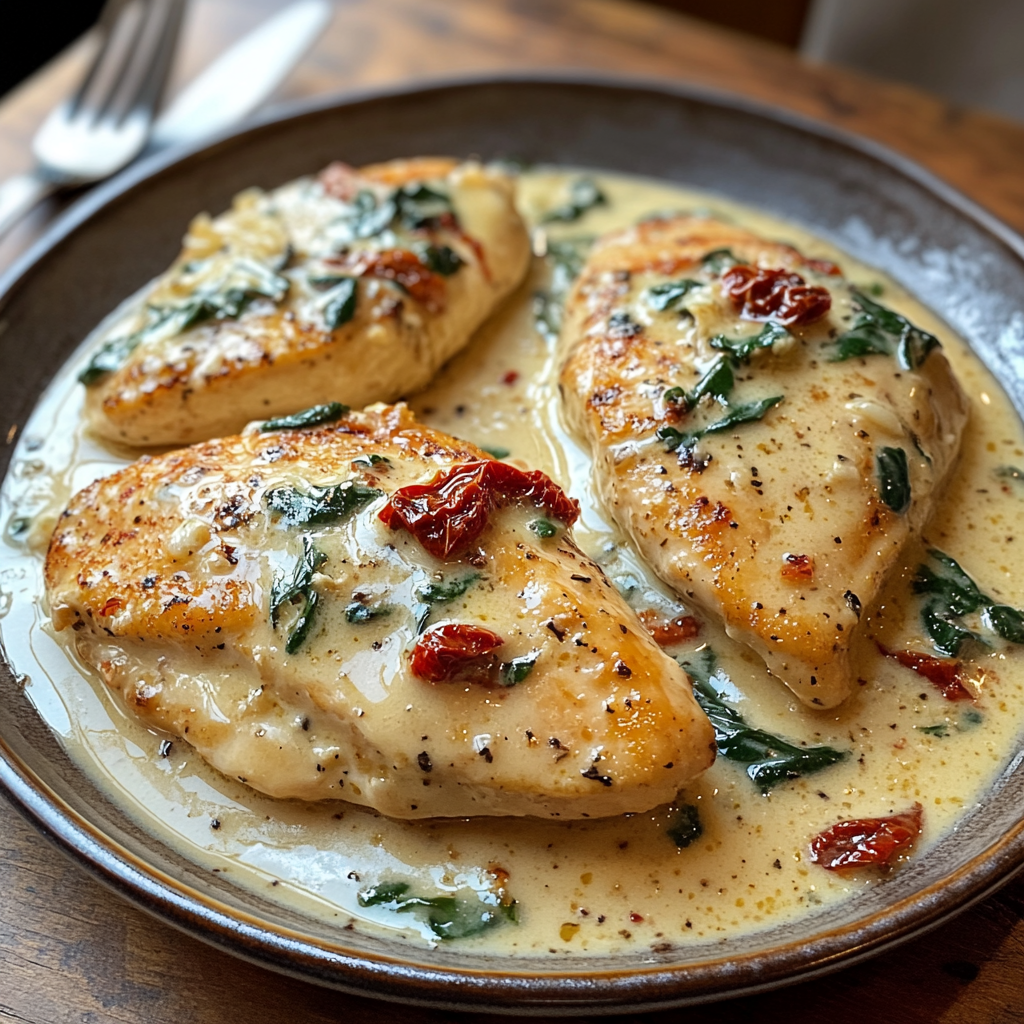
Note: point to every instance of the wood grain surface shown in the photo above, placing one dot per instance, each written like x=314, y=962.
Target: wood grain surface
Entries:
x=70, y=951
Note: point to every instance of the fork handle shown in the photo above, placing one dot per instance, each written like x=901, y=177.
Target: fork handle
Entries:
x=18, y=195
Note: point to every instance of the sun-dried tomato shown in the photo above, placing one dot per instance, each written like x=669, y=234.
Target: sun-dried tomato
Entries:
x=777, y=295
x=668, y=632
x=451, y=511
x=401, y=266
x=866, y=842
x=946, y=674
x=451, y=649
x=798, y=567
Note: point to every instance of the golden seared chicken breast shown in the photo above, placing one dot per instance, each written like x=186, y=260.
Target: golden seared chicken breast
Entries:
x=768, y=435
x=351, y=605
x=354, y=285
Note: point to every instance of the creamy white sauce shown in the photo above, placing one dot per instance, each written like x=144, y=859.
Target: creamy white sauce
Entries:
x=593, y=886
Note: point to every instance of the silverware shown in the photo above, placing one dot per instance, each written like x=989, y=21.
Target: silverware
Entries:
x=106, y=123
x=243, y=76
x=231, y=87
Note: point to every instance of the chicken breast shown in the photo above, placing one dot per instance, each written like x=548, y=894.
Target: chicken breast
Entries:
x=369, y=610
x=353, y=286
x=769, y=436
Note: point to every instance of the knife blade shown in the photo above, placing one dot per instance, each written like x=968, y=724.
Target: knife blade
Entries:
x=242, y=77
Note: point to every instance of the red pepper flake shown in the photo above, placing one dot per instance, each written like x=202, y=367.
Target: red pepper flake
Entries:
x=673, y=631
x=444, y=651
x=510, y=377
x=777, y=295
x=452, y=510
x=866, y=842
x=635, y=917
x=798, y=567
x=945, y=674
x=404, y=268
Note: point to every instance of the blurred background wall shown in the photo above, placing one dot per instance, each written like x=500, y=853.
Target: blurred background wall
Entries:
x=967, y=51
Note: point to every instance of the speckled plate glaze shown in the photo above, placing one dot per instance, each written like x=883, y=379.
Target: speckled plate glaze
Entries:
x=879, y=207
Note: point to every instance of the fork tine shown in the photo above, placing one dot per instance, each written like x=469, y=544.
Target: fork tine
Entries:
x=156, y=24
x=107, y=26
x=152, y=88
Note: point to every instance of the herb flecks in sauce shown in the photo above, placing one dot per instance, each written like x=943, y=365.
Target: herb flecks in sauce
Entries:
x=584, y=194
x=769, y=760
x=566, y=258
x=686, y=827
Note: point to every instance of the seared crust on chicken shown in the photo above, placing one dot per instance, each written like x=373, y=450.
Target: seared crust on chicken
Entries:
x=356, y=286
x=769, y=437
x=247, y=595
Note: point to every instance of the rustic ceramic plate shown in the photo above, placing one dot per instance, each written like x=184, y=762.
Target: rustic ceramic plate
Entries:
x=874, y=204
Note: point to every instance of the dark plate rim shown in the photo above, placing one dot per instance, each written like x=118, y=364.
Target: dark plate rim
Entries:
x=521, y=991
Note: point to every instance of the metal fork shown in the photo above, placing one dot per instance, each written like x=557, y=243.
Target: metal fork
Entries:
x=107, y=121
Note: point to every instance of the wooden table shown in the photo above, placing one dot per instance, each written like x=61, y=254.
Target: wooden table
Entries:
x=69, y=951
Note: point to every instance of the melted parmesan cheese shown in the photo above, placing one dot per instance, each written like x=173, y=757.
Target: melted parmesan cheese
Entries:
x=583, y=886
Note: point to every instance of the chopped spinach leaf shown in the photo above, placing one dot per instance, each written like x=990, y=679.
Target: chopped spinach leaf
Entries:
x=322, y=504
x=947, y=636
x=358, y=613
x=748, y=412
x=718, y=260
x=371, y=460
x=769, y=760
x=18, y=526
x=368, y=217
x=513, y=672
x=441, y=259
x=893, y=478
x=443, y=591
x=498, y=453
x=448, y=917
x=544, y=528
x=686, y=828
x=957, y=591
x=420, y=206
x=1005, y=622
x=717, y=382
x=741, y=349
x=297, y=585
x=311, y=417
x=339, y=303
x=952, y=594
x=584, y=194
x=942, y=729
x=661, y=297
x=224, y=298
x=877, y=330
x=108, y=358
